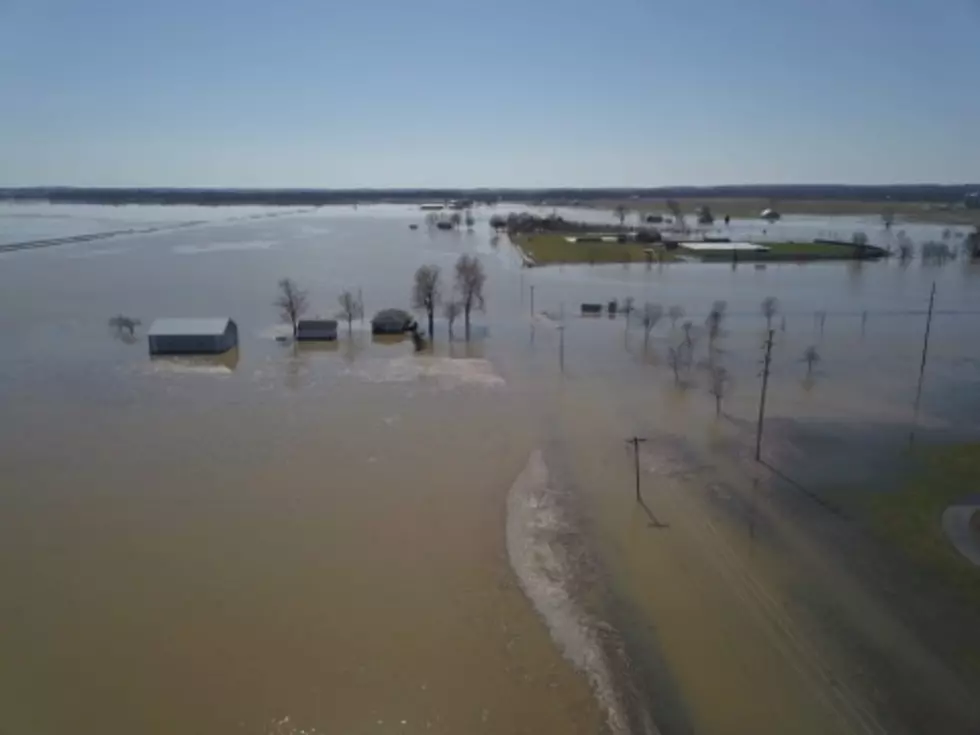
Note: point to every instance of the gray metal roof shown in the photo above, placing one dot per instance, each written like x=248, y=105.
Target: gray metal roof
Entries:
x=191, y=326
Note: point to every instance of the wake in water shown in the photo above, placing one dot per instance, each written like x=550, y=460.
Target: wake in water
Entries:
x=537, y=522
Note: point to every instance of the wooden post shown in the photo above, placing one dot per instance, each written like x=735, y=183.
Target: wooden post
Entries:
x=767, y=360
x=635, y=441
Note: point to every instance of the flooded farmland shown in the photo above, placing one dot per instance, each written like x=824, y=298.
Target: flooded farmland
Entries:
x=353, y=538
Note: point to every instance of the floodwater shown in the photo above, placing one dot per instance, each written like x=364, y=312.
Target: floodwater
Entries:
x=357, y=539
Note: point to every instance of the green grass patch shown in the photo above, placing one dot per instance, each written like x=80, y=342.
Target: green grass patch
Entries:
x=552, y=249
x=911, y=517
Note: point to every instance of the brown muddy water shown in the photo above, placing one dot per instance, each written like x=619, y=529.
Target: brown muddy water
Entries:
x=358, y=539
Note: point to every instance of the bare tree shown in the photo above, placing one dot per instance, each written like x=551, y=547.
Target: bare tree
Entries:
x=810, y=357
x=770, y=305
x=859, y=238
x=720, y=382
x=470, y=220
x=124, y=328
x=621, y=211
x=675, y=209
x=426, y=294
x=674, y=313
x=628, y=306
x=688, y=329
x=451, y=310
x=350, y=308
x=292, y=302
x=820, y=320
x=906, y=248
x=651, y=315
x=455, y=219
x=888, y=219
x=126, y=324
x=714, y=321
x=470, y=278
x=676, y=360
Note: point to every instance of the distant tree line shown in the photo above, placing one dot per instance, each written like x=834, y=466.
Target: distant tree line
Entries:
x=313, y=197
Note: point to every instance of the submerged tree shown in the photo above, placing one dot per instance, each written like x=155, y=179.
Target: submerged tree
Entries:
x=470, y=278
x=621, y=211
x=451, y=311
x=674, y=313
x=425, y=293
x=675, y=209
x=651, y=315
x=292, y=302
x=811, y=357
x=720, y=382
x=124, y=328
x=714, y=321
x=688, y=329
x=769, y=307
x=676, y=360
x=470, y=220
x=351, y=308
x=455, y=219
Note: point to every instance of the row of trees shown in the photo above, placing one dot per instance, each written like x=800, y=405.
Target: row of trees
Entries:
x=293, y=302
x=681, y=354
x=427, y=292
x=427, y=295
x=455, y=219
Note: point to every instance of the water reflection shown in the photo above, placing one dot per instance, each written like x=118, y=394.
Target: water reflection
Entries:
x=223, y=364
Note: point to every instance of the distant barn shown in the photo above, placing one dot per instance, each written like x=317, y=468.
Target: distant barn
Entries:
x=316, y=329
x=210, y=336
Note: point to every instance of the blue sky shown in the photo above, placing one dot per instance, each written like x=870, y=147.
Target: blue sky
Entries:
x=391, y=93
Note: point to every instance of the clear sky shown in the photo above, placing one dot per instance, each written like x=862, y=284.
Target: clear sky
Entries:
x=407, y=93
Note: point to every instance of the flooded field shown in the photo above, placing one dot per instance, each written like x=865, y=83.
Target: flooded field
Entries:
x=354, y=538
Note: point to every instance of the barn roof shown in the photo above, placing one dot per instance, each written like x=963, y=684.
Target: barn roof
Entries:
x=189, y=326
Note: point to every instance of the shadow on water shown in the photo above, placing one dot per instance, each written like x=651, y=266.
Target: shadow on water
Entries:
x=654, y=521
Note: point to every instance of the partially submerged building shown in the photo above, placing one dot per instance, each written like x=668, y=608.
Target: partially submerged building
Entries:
x=316, y=329
x=207, y=336
x=392, y=321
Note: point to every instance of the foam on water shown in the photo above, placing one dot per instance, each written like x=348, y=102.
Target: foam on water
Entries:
x=536, y=525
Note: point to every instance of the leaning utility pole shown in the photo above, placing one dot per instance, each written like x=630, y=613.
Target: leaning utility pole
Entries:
x=766, y=362
x=635, y=441
x=922, y=366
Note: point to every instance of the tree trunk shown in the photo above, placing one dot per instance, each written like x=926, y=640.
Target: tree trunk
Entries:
x=717, y=406
x=466, y=318
x=432, y=333
x=350, y=322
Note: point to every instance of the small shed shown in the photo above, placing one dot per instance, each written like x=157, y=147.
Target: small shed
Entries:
x=208, y=336
x=316, y=329
x=392, y=321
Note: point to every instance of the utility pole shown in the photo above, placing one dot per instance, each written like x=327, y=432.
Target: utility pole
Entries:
x=922, y=366
x=766, y=362
x=635, y=441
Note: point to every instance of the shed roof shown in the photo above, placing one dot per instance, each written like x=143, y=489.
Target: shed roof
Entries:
x=189, y=326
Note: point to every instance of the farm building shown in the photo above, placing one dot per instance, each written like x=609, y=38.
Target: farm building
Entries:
x=316, y=329
x=392, y=321
x=209, y=336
